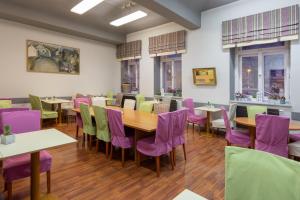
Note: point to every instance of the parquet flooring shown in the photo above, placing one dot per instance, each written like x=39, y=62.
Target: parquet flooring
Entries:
x=84, y=174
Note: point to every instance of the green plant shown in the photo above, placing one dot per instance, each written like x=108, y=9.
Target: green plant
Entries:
x=6, y=130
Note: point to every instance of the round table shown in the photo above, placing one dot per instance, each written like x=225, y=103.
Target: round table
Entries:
x=250, y=123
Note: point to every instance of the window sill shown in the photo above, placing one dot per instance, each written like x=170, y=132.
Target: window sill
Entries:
x=287, y=105
x=168, y=96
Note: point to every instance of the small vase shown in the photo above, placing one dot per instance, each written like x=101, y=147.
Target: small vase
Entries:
x=8, y=139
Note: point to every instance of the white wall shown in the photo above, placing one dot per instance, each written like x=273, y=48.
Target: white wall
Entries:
x=99, y=70
x=204, y=49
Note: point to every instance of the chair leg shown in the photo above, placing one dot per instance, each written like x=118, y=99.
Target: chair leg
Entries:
x=228, y=143
x=184, y=152
x=48, y=181
x=174, y=156
x=83, y=139
x=138, y=162
x=193, y=128
x=172, y=159
x=111, y=151
x=90, y=142
x=41, y=123
x=77, y=130
x=157, y=158
x=187, y=127
x=123, y=157
x=106, y=149
x=9, y=190
x=97, y=145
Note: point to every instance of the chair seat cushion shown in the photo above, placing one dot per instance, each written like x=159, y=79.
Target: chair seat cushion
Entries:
x=20, y=166
x=197, y=119
x=123, y=142
x=218, y=123
x=49, y=114
x=294, y=136
x=148, y=147
x=294, y=149
x=238, y=138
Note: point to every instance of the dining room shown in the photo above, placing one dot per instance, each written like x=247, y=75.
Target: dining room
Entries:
x=140, y=99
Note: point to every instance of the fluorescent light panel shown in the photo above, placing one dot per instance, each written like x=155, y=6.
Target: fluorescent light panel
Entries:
x=85, y=5
x=128, y=18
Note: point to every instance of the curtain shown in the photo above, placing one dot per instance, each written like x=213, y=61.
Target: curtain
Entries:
x=129, y=50
x=166, y=44
x=268, y=27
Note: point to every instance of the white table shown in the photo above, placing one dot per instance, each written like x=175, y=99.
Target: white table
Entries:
x=33, y=143
x=208, y=110
x=188, y=195
x=57, y=102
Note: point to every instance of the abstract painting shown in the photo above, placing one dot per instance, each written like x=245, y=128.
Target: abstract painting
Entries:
x=205, y=76
x=51, y=58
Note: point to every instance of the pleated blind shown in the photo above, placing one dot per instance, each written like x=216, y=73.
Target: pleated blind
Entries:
x=129, y=50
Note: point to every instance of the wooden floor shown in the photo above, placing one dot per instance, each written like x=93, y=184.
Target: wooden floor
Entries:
x=82, y=174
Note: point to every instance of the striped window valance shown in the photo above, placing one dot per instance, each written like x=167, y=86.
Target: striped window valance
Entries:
x=129, y=50
x=170, y=43
x=268, y=27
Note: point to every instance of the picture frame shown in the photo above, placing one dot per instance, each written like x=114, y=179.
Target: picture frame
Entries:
x=205, y=76
x=45, y=57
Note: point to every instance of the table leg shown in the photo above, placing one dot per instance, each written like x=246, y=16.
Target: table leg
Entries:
x=59, y=113
x=208, y=122
x=35, y=176
x=252, y=131
x=134, y=145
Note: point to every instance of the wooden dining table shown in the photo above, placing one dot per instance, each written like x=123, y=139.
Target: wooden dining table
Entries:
x=58, y=102
x=251, y=124
x=141, y=122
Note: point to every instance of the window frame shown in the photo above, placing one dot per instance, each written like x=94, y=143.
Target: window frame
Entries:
x=260, y=53
x=127, y=63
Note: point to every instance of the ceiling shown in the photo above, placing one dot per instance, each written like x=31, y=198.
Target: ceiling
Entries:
x=57, y=13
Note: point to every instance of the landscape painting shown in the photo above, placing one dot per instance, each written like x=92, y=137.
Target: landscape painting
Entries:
x=51, y=58
x=204, y=76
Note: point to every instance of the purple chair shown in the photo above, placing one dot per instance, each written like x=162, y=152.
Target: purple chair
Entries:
x=294, y=137
x=272, y=134
x=160, y=144
x=19, y=167
x=192, y=117
x=235, y=137
x=179, y=119
x=8, y=110
x=77, y=102
x=118, y=136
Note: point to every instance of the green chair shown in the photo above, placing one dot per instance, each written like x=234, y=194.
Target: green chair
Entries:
x=254, y=110
x=110, y=95
x=88, y=128
x=102, y=130
x=139, y=99
x=36, y=104
x=146, y=106
x=5, y=103
x=257, y=175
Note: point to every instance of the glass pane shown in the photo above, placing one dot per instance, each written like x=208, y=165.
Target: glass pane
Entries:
x=250, y=75
x=274, y=75
x=177, y=76
x=167, y=76
x=130, y=76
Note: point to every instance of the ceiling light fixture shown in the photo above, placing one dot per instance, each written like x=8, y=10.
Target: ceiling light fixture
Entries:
x=128, y=18
x=85, y=5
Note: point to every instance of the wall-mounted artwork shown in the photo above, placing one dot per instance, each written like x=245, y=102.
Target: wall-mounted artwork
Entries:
x=51, y=58
x=205, y=76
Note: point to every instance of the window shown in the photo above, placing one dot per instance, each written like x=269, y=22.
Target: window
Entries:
x=170, y=74
x=263, y=71
x=130, y=76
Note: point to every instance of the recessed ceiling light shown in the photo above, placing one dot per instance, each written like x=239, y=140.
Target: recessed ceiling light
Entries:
x=128, y=18
x=84, y=6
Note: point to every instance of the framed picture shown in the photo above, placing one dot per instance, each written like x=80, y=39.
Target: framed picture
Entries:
x=205, y=76
x=52, y=58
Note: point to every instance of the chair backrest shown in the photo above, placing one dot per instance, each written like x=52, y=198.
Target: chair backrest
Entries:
x=5, y=103
x=115, y=123
x=86, y=115
x=232, y=111
x=226, y=122
x=146, y=106
x=256, y=175
x=82, y=100
x=272, y=134
x=129, y=104
x=179, y=118
x=161, y=108
x=164, y=129
x=139, y=99
x=189, y=103
x=119, y=98
x=101, y=123
x=35, y=102
x=22, y=121
x=8, y=110
x=98, y=101
x=254, y=110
